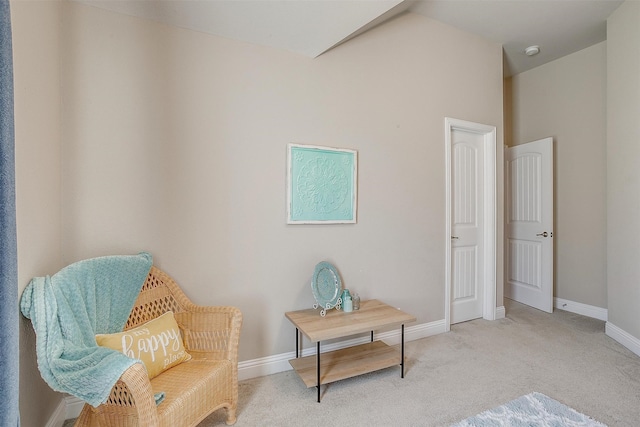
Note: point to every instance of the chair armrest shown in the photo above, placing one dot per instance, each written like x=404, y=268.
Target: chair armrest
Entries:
x=211, y=332
x=136, y=383
x=131, y=399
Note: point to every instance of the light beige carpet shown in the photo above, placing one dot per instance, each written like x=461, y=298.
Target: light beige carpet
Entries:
x=477, y=366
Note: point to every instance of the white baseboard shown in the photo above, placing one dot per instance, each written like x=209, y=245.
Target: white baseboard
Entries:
x=59, y=415
x=623, y=337
x=73, y=406
x=500, y=312
x=70, y=406
x=579, y=308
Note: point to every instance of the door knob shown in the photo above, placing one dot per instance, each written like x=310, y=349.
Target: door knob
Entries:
x=545, y=234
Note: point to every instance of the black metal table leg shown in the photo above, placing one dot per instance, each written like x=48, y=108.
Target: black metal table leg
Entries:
x=318, y=369
x=402, y=355
x=297, y=343
x=371, y=336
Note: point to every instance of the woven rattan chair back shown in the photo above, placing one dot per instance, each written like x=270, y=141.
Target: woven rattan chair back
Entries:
x=211, y=335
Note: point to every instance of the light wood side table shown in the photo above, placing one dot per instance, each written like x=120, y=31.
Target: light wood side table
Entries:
x=352, y=361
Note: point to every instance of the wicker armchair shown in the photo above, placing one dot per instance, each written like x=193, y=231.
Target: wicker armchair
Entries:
x=193, y=389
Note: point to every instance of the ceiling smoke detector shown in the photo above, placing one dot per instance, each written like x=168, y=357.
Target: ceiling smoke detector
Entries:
x=532, y=50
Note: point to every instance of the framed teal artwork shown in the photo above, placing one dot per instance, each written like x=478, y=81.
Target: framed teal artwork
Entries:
x=322, y=185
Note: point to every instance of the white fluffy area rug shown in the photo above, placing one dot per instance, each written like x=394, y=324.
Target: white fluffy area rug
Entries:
x=532, y=410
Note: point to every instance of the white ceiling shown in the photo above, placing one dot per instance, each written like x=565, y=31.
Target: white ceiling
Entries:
x=559, y=27
x=312, y=27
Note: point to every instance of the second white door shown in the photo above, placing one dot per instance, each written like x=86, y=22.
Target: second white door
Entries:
x=529, y=218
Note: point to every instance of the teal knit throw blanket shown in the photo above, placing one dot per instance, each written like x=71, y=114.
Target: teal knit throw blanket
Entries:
x=68, y=309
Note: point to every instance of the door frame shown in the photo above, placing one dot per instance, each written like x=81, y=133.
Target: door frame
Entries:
x=489, y=220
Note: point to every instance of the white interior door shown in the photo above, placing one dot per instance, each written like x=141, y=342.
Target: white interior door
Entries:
x=467, y=231
x=529, y=234
x=470, y=221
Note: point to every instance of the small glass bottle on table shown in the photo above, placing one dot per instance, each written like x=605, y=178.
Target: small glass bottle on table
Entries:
x=356, y=301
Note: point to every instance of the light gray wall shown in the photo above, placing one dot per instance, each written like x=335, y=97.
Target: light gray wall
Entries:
x=175, y=141
x=566, y=99
x=133, y=135
x=36, y=53
x=623, y=171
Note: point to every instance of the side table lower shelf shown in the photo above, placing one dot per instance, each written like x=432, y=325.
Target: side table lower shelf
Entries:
x=346, y=363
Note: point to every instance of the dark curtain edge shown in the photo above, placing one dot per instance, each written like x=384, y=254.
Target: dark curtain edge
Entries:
x=9, y=313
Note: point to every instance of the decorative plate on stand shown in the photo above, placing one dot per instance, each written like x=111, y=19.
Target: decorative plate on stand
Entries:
x=326, y=287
